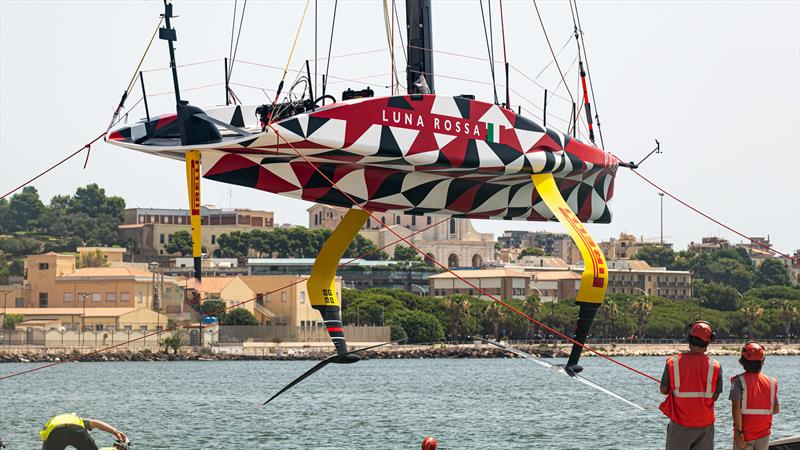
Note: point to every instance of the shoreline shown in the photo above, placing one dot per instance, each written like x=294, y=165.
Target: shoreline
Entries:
x=434, y=351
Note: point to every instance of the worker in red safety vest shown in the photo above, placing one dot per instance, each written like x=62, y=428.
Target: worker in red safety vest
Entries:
x=692, y=383
x=754, y=398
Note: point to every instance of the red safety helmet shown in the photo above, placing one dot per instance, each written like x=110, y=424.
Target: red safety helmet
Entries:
x=753, y=351
x=702, y=330
x=429, y=443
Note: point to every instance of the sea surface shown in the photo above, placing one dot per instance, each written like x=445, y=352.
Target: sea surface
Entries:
x=374, y=404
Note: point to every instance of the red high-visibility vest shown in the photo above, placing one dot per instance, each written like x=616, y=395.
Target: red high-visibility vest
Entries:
x=693, y=380
x=759, y=394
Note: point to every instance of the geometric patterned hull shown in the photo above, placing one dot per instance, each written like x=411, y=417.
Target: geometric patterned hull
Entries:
x=429, y=154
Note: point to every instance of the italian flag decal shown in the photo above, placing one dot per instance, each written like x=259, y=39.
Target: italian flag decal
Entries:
x=493, y=133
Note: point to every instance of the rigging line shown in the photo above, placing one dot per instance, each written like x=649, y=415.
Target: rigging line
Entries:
x=477, y=58
x=462, y=279
x=505, y=54
x=213, y=313
x=159, y=69
x=294, y=43
x=68, y=157
x=488, y=50
x=390, y=42
x=731, y=229
x=589, y=76
x=547, y=38
x=561, y=81
x=537, y=84
x=400, y=32
x=566, y=43
x=330, y=46
x=233, y=27
x=491, y=39
x=238, y=35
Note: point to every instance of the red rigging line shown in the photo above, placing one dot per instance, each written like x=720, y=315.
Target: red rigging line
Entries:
x=433, y=260
x=505, y=53
x=213, y=313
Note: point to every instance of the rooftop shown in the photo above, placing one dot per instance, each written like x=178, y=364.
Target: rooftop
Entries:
x=210, y=284
x=310, y=262
x=481, y=273
x=89, y=312
x=106, y=272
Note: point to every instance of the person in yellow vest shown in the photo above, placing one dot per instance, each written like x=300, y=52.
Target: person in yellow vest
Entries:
x=754, y=399
x=692, y=383
x=70, y=430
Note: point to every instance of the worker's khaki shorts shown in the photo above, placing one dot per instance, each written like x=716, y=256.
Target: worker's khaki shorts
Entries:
x=680, y=437
x=758, y=444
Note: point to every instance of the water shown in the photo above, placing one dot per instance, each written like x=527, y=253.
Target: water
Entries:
x=377, y=404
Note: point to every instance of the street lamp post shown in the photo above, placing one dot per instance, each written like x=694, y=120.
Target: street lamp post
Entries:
x=661, y=196
x=5, y=307
x=421, y=289
x=84, y=296
x=156, y=297
x=642, y=291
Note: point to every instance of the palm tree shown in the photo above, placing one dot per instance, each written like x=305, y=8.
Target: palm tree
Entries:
x=787, y=315
x=641, y=309
x=458, y=308
x=608, y=312
x=492, y=313
x=751, y=313
x=532, y=306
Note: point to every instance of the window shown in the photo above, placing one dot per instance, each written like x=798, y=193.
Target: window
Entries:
x=397, y=220
x=383, y=220
x=266, y=298
x=96, y=297
x=169, y=238
x=111, y=296
x=160, y=328
x=369, y=224
x=260, y=299
x=430, y=220
x=19, y=302
x=139, y=297
x=98, y=327
x=213, y=239
x=124, y=296
x=452, y=226
x=69, y=297
x=42, y=299
x=143, y=328
x=302, y=296
x=161, y=239
x=283, y=296
x=44, y=266
x=413, y=220
x=127, y=328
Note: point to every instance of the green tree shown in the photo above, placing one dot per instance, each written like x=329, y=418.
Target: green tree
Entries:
x=728, y=271
x=421, y=327
x=25, y=209
x=235, y=244
x=175, y=342
x=656, y=255
x=788, y=315
x=457, y=307
x=772, y=272
x=11, y=321
x=717, y=296
x=402, y=253
x=532, y=251
x=94, y=259
x=212, y=308
x=181, y=243
x=642, y=308
x=238, y=316
x=493, y=315
x=609, y=312
x=532, y=306
x=751, y=314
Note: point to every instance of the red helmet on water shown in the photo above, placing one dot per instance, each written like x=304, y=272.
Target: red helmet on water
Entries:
x=702, y=330
x=429, y=443
x=753, y=351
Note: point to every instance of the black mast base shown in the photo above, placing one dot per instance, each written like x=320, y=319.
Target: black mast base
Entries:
x=586, y=316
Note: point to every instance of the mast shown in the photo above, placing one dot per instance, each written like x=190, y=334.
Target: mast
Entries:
x=167, y=33
x=419, y=72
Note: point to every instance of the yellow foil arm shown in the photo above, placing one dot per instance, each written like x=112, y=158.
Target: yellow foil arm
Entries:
x=595, y=274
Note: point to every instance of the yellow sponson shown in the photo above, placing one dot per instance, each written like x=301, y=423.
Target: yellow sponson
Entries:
x=321, y=286
x=193, y=183
x=595, y=274
x=59, y=421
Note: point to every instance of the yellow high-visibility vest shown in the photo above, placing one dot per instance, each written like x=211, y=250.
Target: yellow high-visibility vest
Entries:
x=59, y=421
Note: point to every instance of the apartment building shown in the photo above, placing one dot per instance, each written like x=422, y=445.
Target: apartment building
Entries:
x=503, y=283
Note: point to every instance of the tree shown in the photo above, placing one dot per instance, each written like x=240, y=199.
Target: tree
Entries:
x=402, y=253
x=717, y=296
x=493, y=315
x=772, y=273
x=235, y=244
x=94, y=259
x=181, y=243
x=656, y=255
x=175, y=342
x=751, y=314
x=532, y=251
x=788, y=315
x=11, y=321
x=532, y=306
x=728, y=271
x=421, y=327
x=212, y=308
x=238, y=316
x=641, y=309
x=457, y=307
x=25, y=209
x=608, y=313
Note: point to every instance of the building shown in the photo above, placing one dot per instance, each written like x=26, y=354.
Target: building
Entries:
x=454, y=241
x=150, y=230
x=286, y=298
x=559, y=245
x=355, y=274
x=709, y=244
x=626, y=246
x=97, y=319
x=501, y=283
x=554, y=285
x=234, y=292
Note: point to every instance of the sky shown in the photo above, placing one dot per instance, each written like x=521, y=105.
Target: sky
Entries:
x=717, y=83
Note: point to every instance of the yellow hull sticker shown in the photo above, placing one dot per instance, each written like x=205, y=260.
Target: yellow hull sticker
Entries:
x=193, y=183
x=595, y=274
x=321, y=284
